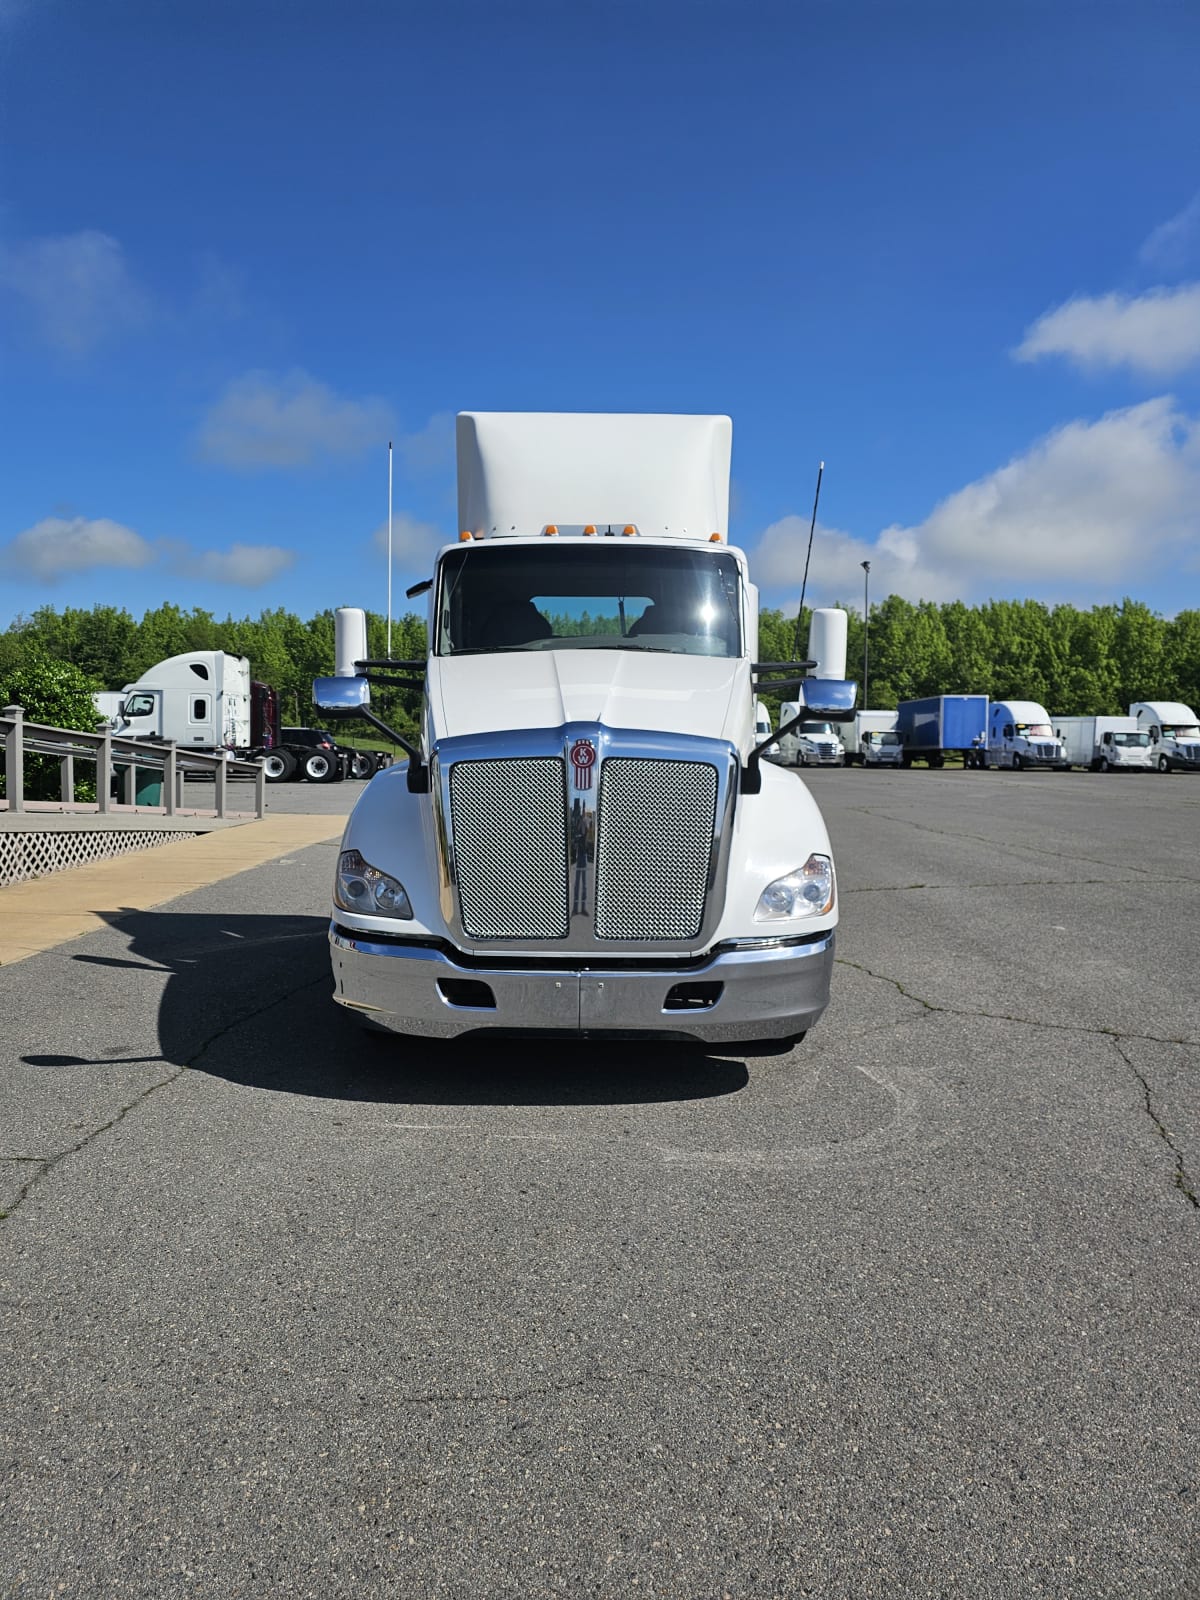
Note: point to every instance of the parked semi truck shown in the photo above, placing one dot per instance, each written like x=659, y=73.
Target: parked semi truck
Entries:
x=1105, y=744
x=940, y=725
x=207, y=700
x=1173, y=732
x=816, y=742
x=1019, y=735
x=585, y=838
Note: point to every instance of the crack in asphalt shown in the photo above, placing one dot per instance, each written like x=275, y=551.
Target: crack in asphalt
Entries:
x=1019, y=883
x=1182, y=1180
x=47, y=1164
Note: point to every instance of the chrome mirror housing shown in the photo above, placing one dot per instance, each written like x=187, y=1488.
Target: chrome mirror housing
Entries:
x=341, y=697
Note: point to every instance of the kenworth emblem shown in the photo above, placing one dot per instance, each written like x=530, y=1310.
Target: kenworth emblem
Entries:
x=583, y=759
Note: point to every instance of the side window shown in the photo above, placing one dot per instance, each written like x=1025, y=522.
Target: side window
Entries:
x=200, y=708
x=139, y=705
x=199, y=669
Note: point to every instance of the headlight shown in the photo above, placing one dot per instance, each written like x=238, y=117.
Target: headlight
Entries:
x=361, y=887
x=807, y=892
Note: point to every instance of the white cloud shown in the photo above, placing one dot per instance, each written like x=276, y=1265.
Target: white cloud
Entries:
x=1176, y=241
x=414, y=543
x=1155, y=333
x=57, y=546
x=77, y=287
x=291, y=419
x=432, y=447
x=248, y=565
x=1087, y=510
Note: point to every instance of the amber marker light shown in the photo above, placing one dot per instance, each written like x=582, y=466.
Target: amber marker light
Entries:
x=589, y=531
x=714, y=538
x=629, y=530
x=465, y=535
x=550, y=530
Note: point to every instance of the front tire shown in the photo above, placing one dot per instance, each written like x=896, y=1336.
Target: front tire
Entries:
x=1018, y=763
x=1163, y=764
x=1105, y=764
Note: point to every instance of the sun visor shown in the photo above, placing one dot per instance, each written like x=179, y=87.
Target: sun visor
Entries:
x=519, y=471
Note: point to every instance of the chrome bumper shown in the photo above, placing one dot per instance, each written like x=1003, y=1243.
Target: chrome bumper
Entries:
x=752, y=994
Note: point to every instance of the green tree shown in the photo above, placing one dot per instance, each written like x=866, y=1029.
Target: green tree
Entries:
x=58, y=695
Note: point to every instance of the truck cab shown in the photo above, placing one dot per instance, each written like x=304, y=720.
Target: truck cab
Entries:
x=585, y=839
x=816, y=742
x=1019, y=735
x=1173, y=731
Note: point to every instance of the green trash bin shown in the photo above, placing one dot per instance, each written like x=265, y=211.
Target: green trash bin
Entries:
x=147, y=784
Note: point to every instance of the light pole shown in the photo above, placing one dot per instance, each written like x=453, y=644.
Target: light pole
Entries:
x=866, y=566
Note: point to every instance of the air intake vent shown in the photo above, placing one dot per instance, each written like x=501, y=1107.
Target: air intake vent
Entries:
x=510, y=847
x=654, y=846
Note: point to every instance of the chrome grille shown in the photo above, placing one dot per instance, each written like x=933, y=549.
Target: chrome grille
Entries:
x=654, y=840
x=510, y=847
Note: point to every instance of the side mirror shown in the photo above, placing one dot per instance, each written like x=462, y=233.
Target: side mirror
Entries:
x=341, y=697
x=830, y=698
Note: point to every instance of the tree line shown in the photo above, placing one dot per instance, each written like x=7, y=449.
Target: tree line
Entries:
x=1071, y=660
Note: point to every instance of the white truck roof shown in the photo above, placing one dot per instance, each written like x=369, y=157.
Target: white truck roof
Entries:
x=1021, y=710
x=1170, y=711
x=519, y=471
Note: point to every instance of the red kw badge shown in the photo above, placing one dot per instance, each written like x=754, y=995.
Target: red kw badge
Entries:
x=583, y=759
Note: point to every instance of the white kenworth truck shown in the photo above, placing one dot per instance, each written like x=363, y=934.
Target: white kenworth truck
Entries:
x=585, y=838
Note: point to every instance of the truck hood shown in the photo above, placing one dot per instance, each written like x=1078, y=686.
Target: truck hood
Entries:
x=703, y=696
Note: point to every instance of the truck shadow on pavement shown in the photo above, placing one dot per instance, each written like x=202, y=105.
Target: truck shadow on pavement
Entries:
x=248, y=999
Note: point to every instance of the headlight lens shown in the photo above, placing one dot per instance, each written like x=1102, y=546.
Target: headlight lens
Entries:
x=807, y=892
x=363, y=888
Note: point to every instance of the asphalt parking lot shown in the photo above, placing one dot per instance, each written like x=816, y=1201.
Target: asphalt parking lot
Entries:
x=287, y=1310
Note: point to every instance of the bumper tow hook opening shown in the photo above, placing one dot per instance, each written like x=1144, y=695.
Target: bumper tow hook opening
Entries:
x=467, y=993
x=693, y=996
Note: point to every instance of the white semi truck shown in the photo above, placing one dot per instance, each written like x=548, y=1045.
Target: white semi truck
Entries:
x=1019, y=735
x=1105, y=744
x=585, y=839
x=1174, y=733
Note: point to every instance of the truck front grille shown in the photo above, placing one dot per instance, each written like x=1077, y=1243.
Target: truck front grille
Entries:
x=654, y=840
x=510, y=847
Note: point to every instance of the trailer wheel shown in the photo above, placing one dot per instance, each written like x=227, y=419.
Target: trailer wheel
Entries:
x=318, y=767
x=362, y=764
x=937, y=761
x=279, y=765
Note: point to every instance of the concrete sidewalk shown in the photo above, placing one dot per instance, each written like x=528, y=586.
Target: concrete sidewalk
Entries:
x=42, y=912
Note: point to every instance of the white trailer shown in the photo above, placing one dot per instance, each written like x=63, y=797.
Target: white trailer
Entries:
x=1174, y=733
x=585, y=839
x=1105, y=744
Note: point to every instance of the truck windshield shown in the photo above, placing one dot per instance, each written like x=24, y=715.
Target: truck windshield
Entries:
x=1140, y=740
x=1036, y=730
x=888, y=738
x=593, y=595
x=1181, y=730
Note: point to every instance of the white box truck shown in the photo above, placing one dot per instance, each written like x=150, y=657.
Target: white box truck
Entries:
x=1174, y=733
x=873, y=741
x=585, y=839
x=1105, y=744
x=1019, y=735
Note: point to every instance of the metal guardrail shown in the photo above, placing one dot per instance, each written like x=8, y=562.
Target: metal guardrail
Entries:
x=116, y=756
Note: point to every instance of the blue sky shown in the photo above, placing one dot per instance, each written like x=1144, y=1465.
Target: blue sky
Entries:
x=952, y=250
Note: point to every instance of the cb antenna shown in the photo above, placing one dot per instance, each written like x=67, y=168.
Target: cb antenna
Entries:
x=812, y=528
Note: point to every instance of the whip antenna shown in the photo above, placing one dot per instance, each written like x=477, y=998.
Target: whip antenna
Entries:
x=812, y=528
